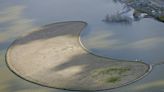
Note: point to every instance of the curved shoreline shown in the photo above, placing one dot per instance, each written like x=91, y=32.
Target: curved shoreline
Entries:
x=83, y=62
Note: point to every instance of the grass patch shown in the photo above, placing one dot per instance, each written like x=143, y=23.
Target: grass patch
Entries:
x=113, y=79
x=116, y=70
x=161, y=18
x=110, y=74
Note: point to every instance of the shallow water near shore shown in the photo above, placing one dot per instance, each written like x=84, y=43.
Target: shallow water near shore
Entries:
x=19, y=17
x=143, y=40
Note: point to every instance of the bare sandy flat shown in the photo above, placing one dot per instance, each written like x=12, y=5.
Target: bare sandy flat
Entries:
x=53, y=57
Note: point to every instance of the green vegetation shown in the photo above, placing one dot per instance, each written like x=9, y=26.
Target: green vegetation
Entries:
x=113, y=79
x=111, y=74
x=116, y=70
x=161, y=18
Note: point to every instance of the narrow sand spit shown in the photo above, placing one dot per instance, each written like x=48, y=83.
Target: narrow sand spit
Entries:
x=53, y=57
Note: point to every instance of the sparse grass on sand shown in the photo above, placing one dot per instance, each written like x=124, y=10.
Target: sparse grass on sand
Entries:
x=111, y=74
x=109, y=70
x=113, y=79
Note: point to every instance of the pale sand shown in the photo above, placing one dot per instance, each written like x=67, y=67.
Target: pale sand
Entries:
x=53, y=57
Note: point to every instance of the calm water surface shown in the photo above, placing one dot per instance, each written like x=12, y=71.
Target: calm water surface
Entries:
x=144, y=37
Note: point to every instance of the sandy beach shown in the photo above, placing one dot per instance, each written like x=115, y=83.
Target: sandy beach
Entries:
x=53, y=57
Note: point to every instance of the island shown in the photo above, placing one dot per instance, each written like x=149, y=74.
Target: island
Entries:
x=54, y=57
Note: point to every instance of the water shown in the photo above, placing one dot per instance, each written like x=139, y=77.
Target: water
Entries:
x=19, y=17
x=142, y=40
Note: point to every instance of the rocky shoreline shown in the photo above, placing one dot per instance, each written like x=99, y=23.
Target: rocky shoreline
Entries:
x=150, y=8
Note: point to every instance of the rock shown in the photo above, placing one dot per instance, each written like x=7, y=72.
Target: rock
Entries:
x=154, y=8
